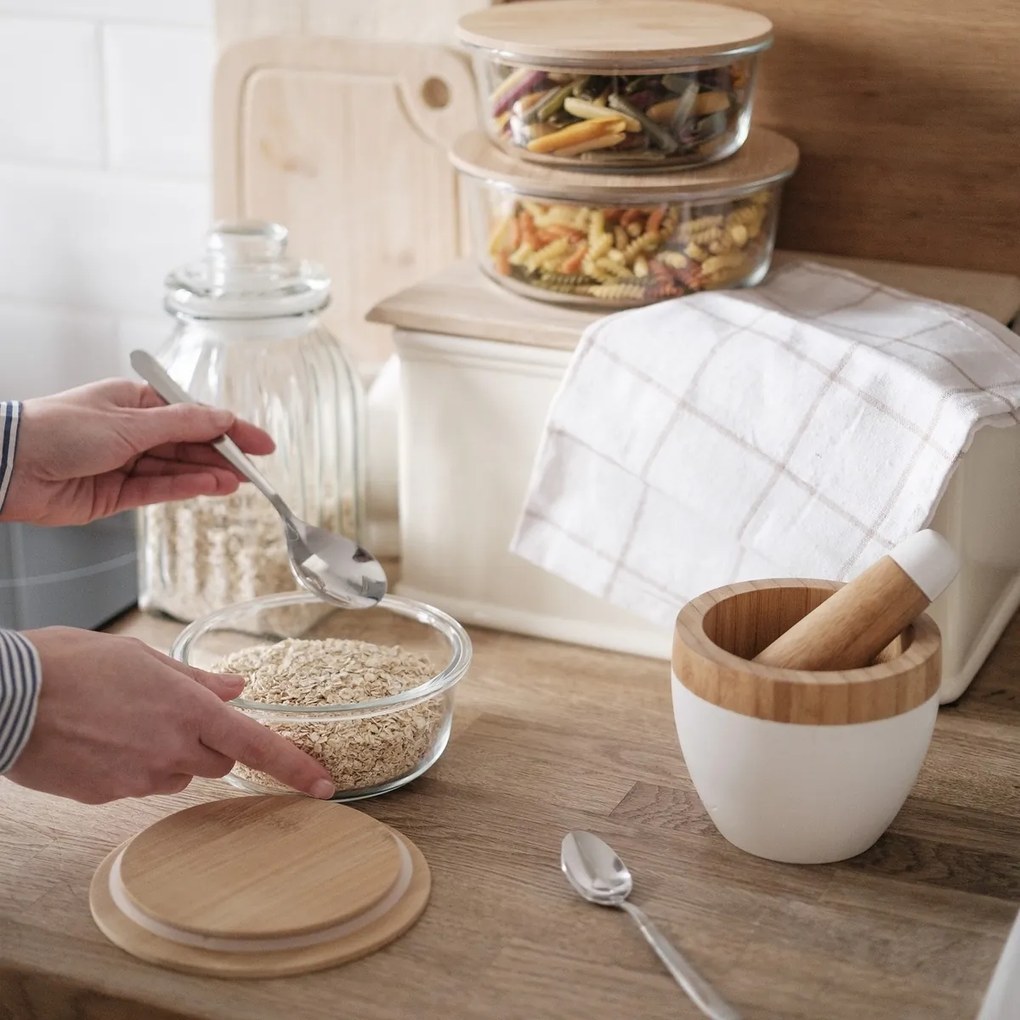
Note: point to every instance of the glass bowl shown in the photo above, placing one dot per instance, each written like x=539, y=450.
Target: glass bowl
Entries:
x=620, y=241
x=599, y=84
x=371, y=746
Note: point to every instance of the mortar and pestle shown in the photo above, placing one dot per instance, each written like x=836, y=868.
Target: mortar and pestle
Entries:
x=805, y=708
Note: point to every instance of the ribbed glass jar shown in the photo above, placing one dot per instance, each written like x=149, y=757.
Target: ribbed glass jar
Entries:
x=248, y=337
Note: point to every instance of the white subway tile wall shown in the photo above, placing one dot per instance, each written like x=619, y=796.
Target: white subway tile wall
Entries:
x=50, y=106
x=56, y=348
x=158, y=80
x=95, y=240
x=104, y=179
x=169, y=12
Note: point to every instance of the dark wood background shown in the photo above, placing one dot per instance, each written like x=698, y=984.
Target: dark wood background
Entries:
x=907, y=113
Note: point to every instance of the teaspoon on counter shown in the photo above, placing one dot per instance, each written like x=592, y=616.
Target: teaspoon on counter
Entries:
x=329, y=565
x=594, y=870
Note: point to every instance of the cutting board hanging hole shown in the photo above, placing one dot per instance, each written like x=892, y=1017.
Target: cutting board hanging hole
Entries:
x=435, y=93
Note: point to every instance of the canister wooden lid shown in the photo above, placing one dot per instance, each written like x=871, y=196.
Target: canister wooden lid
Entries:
x=766, y=157
x=259, y=886
x=614, y=34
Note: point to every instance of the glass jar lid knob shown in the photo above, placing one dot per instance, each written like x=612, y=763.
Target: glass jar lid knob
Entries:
x=246, y=274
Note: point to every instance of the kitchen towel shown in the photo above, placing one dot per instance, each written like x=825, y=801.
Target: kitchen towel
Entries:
x=799, y=428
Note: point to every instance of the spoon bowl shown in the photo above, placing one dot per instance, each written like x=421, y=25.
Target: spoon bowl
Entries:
x=595, y=871
x=331, y=566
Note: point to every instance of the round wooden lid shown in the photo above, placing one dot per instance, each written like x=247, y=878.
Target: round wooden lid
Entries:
x=764, y=158
x=258, y=958
x=614, y=34
x=260, y=867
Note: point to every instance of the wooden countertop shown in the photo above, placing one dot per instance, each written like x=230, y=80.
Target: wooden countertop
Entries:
x=550, y=737
x=460, y=300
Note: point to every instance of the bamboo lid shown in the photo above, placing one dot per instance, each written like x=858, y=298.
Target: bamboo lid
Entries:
x=764, y=158
x=614, y=33
x=258, y=886
x=718, y=633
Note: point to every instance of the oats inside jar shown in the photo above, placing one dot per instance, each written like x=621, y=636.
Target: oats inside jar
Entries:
x=360, y=752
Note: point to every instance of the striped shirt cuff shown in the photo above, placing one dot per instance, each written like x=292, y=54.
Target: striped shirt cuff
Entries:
x=10, y=413
x=20, y=678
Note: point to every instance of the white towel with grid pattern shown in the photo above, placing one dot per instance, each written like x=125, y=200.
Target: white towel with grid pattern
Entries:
x=799, y=428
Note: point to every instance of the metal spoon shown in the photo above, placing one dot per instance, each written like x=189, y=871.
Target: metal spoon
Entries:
x=595, y=871
x=327, y=564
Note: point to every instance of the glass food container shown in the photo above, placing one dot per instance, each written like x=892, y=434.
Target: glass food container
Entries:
x=248, y=337
x=370, y=745
x=611, y=85
x=621, y=241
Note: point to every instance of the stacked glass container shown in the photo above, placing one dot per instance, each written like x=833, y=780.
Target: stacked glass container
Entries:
x=617, y=164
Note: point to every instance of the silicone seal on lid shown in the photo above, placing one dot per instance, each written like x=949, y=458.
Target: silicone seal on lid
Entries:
x=246, y=274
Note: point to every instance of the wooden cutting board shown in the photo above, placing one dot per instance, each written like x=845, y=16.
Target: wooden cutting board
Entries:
x=906, y=114
x=393, y=20
x=344, y=142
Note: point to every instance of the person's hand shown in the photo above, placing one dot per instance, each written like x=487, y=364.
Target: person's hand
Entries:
x=114, y=445
x=118, y=719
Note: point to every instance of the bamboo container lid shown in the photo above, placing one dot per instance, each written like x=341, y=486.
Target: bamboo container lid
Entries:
x=259, y=887
x=660, y=34
x=718, y=633
x=765, y=158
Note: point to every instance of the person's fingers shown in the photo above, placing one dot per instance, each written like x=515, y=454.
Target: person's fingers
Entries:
x=249, y=437
x=190, y=455
x=148, y=466
x=234, y=735
x=207, y=764
x=200, y=676
x=176, y=783
x=178, y=423
x=141, y=491
x=225, y=687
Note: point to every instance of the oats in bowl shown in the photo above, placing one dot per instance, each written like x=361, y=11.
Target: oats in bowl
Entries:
x=367, y=692
x=359, y=752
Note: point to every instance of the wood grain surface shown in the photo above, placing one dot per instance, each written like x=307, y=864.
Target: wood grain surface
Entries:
x=461, y=301
x=549, y=737
x=906, y=114
x=852, y=626
x=345, y=143
x=253, y=963
x=260, y=867
x=391, y=20
x=766, y=157
x=718, y=633
x=606, y=30
x=908, y=122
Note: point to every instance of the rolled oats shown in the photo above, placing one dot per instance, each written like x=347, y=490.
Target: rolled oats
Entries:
x=203, y=554
x=359, y=752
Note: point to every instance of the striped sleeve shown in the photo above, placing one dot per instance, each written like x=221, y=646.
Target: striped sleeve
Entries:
x=20, y=677
x=19, y=661
x=10, y=413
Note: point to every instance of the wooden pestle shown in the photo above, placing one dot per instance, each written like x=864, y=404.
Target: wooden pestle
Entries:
x=854, y=624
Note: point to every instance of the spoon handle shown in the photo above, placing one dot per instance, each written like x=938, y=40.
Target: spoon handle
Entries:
x=157, y=377
x=701, y=993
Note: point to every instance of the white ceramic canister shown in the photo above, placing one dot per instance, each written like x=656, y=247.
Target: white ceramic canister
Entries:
x=804, y=767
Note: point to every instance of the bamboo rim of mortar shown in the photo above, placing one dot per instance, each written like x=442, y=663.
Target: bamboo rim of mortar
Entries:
x=720, y=631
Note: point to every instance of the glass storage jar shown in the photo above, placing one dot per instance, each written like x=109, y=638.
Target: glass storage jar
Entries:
x=248, y=337
x=603, y=85
x=620, y=240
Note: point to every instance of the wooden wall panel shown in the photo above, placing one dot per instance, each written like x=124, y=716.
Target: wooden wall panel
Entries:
x=908, y=117
x=907, y=113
